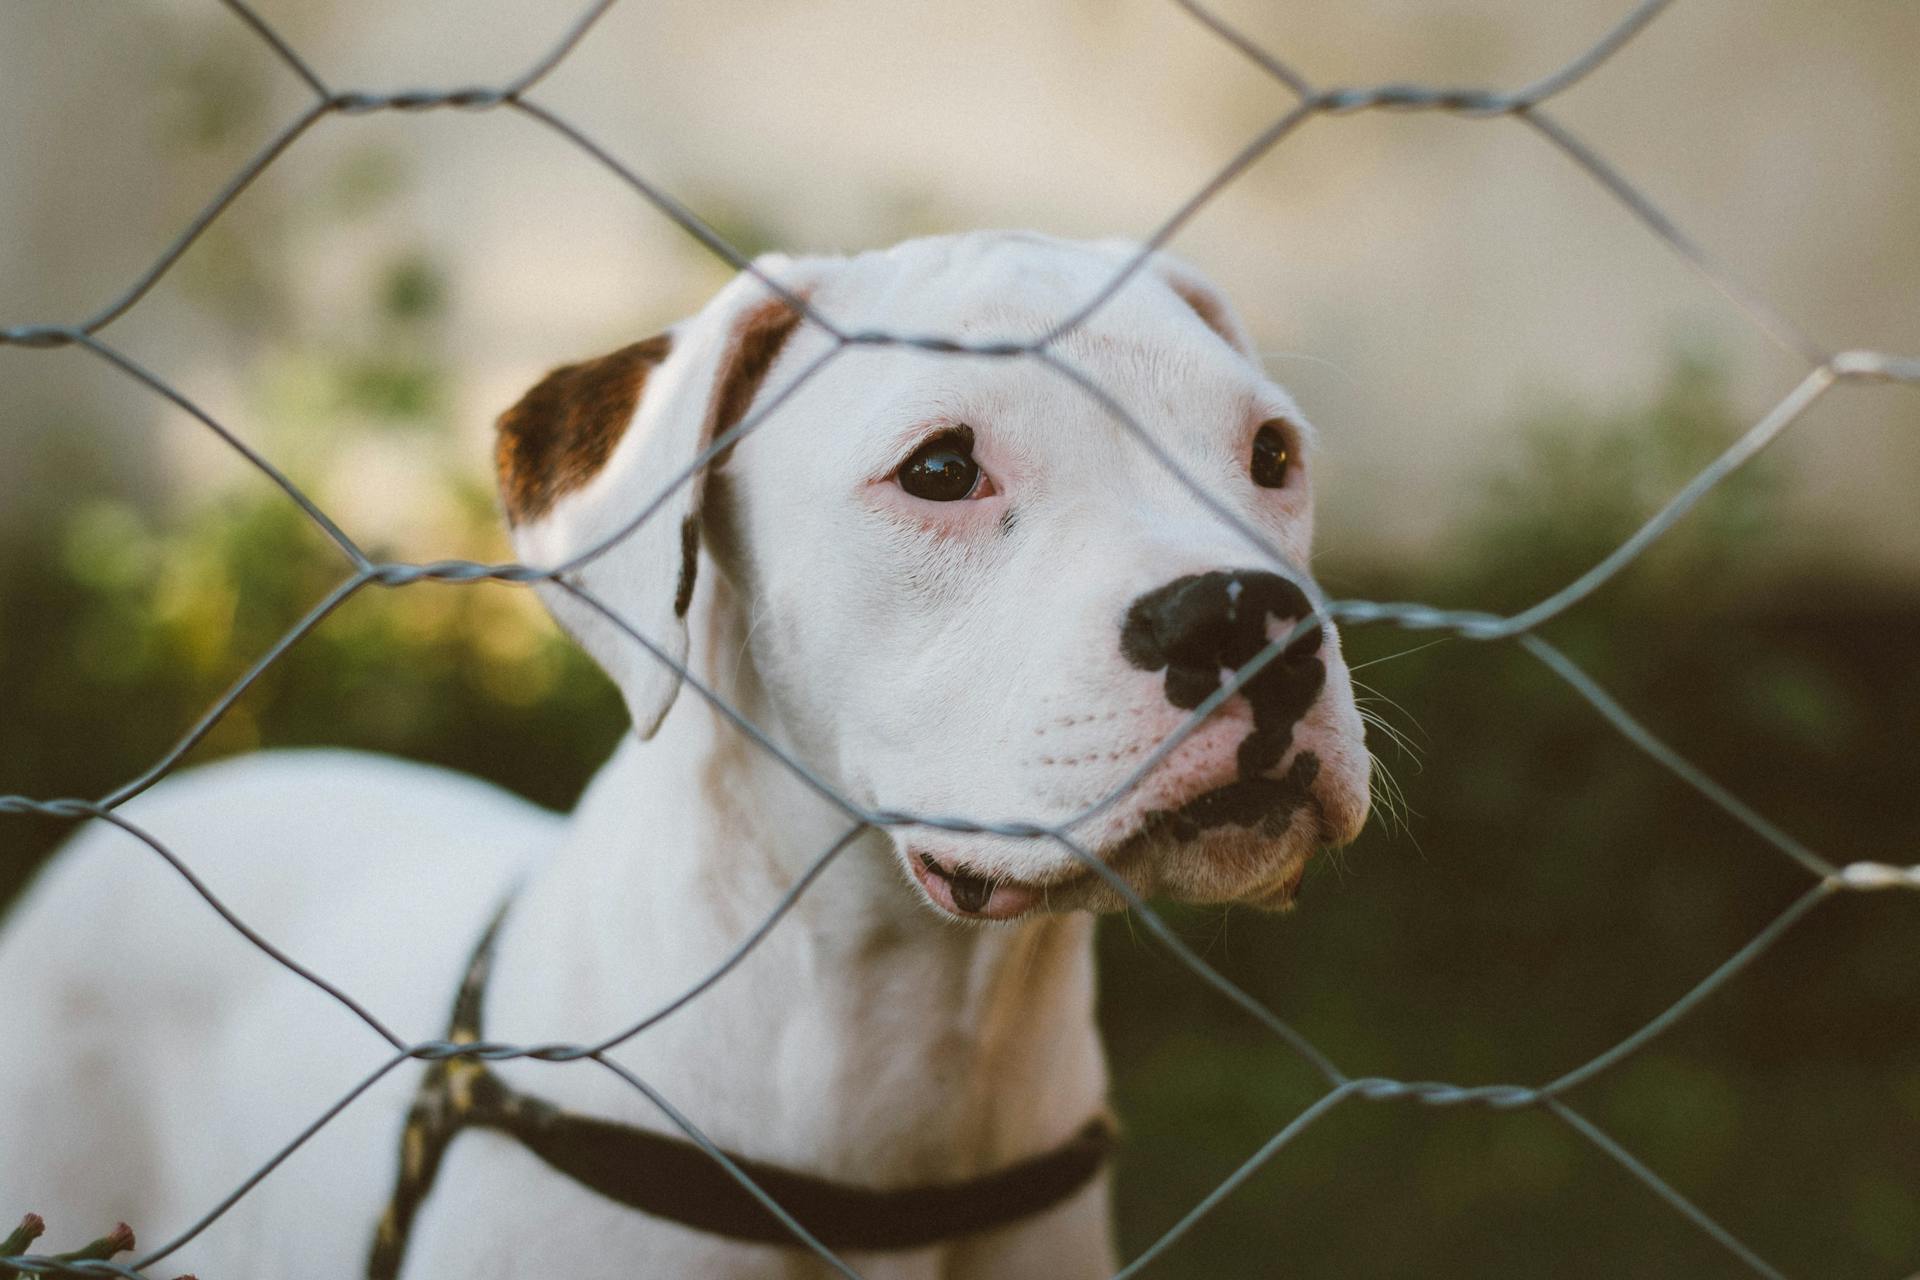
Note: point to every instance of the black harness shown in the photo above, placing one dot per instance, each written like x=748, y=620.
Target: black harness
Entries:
x=672, y=1178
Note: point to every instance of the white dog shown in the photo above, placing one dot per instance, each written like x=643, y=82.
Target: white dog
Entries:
x=948, y=585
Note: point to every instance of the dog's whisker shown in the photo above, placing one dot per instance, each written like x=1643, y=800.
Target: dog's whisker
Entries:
x=1302, y=356
x=759, y=611
x=1374, y=662
x=1394, y=734
x=1390, y=796
x=1396, y=810
x=1372, y=694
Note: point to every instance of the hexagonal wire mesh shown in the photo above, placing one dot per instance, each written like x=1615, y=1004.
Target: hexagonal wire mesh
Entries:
x=1825, y=369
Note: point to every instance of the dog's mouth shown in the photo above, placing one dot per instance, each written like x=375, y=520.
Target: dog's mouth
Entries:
x=961, y=891
x=1263, y=805
x=1261, y=810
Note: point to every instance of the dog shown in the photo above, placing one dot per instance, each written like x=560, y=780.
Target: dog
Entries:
x=946, y=585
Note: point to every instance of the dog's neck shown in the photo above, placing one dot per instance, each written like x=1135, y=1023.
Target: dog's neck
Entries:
x=862, y=1027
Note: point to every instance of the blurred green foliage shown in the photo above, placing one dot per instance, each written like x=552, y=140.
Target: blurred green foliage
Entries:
x=120, y=626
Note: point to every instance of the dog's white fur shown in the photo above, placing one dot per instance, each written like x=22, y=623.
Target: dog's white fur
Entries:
x=928, y=658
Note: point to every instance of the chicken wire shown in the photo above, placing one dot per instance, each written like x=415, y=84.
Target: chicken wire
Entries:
x=1824, y=370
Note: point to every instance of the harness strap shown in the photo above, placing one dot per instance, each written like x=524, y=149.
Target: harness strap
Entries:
x=669, y=1177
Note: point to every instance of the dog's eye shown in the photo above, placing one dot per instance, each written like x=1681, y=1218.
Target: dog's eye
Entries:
x=941, y=470
x=1270, y=456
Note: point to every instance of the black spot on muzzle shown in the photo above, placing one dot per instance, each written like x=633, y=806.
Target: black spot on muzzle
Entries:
x=1207, y=623
x=1266, y=805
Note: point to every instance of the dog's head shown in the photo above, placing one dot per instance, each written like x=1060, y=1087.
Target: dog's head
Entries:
x=958, y=583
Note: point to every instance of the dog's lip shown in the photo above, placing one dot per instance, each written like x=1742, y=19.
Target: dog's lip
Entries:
x=1259, y=806
x=961, y=891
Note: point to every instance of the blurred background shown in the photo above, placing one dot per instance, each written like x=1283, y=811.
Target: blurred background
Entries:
x=1509, y=373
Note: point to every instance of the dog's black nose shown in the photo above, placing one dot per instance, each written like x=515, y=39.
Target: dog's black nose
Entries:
x=1204, y=623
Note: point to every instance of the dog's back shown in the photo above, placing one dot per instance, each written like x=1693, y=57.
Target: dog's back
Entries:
x=154, y=1057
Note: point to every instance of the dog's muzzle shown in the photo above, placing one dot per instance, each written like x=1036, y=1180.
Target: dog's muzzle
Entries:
x=1202, y=630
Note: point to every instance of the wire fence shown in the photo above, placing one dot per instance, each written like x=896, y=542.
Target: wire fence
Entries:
x=1825, y=368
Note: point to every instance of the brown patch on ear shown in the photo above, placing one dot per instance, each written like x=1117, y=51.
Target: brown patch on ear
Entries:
x=757, y=341
x=564, y=430
x=1210, y=311
x=689, y=565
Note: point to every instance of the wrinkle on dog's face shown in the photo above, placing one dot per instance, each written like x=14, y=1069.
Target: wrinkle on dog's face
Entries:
x=965, y=658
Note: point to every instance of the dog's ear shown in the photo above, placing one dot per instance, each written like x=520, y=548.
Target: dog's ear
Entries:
x=1207, y=302
x=595, y=444
x=1194, y=289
